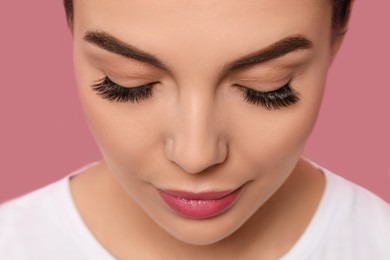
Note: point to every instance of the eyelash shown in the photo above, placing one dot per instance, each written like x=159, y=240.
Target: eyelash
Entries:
x=276, y=99
x=114, y=92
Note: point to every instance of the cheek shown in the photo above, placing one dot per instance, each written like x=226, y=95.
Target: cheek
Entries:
x=272, y=142
x=126, y=140
x=272, y=148
x=123, y=133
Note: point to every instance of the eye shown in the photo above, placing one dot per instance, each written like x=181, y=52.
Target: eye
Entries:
x=114, y=92
x=276, y=99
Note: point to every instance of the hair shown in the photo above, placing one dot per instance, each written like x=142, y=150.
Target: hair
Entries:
x=340, y=15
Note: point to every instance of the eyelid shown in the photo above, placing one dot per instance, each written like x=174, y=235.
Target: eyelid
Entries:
x=271, y=100
x=267, y=75
x=113, y=92
x=265, y=80
x=137, y=85
x=256, y=89
x=103, y=59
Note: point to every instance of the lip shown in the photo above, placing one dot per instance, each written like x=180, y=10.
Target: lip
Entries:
x=199, y=205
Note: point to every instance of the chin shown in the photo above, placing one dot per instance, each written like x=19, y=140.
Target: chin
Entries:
x=201, y=238
x=203, y=232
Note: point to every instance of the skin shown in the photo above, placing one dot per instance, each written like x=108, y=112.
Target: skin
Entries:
x=196, y=133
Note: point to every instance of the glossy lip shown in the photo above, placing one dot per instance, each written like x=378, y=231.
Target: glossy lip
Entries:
x=199, y=205
x=211, y=195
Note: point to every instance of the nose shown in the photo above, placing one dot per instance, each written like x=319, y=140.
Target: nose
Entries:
x=196, y=142
x=194, y=155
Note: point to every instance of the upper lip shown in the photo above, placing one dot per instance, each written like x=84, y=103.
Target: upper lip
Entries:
x=209, y=195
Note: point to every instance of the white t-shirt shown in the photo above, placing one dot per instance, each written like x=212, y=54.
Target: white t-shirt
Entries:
x=350, y=223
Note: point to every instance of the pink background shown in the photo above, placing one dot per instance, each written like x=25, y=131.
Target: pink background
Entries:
x=43, y=134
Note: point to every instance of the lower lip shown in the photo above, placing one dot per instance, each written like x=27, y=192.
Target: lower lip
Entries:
x=200, y=208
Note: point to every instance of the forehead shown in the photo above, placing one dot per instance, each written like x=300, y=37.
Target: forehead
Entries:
x=201, y=17
x=220, y=28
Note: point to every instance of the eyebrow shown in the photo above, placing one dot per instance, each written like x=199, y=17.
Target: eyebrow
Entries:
x=276, y=50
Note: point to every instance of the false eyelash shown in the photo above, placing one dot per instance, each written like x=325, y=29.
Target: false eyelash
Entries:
x=114, y=92
x=276, y=99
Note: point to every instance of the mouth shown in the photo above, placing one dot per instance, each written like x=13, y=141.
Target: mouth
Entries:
x=199, y=205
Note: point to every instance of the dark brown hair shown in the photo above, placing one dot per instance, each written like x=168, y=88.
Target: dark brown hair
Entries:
x=341, y=11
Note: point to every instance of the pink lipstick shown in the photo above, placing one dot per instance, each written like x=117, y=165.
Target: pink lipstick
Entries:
x=199, y=205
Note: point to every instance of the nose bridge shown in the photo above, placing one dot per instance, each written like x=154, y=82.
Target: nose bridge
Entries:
x=197, y=141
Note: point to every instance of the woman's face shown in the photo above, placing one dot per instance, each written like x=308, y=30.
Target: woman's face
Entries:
x=204, y=125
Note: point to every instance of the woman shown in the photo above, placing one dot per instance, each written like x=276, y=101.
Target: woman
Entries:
x=201, y=111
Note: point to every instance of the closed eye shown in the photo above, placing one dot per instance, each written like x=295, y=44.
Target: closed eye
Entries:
x=275, y=99
x=114, y=92
x=271, y=100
